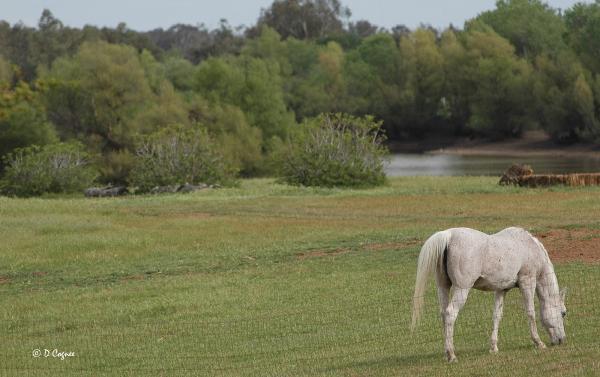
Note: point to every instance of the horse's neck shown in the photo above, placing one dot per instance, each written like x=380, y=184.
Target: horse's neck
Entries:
x=547, y=284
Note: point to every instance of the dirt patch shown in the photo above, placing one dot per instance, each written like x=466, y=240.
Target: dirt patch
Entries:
x=4, y=280
x=568, y=245
x=189, y=215
x=322, y=253
x=133, y=277
x=38, y=274
x=390, y=245
x=563, y=245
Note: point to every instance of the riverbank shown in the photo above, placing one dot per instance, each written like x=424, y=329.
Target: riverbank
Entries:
x=531, y=144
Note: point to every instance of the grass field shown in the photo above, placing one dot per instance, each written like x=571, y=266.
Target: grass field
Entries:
x=272, y=280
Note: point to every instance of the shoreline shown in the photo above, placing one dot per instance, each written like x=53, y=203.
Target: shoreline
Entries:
x=532, y=144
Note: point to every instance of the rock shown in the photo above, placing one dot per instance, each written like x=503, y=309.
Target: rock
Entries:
x=185, y=188
x=92, y=192
x=191, y=188
x=164, y=189
x=97, y=192
x=514, y=174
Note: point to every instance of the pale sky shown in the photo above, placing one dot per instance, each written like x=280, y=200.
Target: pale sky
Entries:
x=149, y=14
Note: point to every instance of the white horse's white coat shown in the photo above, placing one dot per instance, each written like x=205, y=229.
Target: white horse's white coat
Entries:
x=464, y=258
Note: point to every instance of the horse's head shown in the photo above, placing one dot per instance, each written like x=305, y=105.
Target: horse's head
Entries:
x=553, y=311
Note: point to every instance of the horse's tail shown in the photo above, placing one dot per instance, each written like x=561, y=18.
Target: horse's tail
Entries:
x=431, y=254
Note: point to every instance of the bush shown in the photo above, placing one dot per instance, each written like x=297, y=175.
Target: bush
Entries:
x=178, y=155
x=334, y=150
x=55, y=168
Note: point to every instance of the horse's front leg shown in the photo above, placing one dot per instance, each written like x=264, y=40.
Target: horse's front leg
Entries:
x=528, y=289
x=498, y=306
x=459, y=298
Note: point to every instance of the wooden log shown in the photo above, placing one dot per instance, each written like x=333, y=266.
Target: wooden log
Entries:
x=546, y=180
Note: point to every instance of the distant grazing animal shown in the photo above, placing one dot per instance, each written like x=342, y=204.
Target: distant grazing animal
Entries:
x=464, y=258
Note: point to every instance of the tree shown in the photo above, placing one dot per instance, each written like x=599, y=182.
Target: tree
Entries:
x=23, y=120
x=49, y=42
x=500, y=83
x=532, y=26
x=109, y=83
x=583, y=33
x=305, y=19
x=373, y=73
x=421, y=87
x=6, y=72
x=253, y=85
x=563, y=97
x=197, y=43
x=456, y=90
x=239, y=143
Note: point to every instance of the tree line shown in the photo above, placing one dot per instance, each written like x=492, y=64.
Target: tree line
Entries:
x=523, y=65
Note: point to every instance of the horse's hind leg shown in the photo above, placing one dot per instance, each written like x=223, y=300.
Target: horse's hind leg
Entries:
x=443, y=289
x=459, y=298
x=498, y=305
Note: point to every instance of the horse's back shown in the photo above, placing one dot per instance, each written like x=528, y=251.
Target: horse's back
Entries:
x=489, y=262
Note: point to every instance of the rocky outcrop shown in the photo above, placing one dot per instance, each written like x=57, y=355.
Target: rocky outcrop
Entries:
x=97, y=192
x=185, y=188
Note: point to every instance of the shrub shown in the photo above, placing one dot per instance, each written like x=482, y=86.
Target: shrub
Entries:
x=178, y=155
x=54, y=168
x=334, y=150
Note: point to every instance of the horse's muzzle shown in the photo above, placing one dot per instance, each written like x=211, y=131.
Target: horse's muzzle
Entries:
x=559, y=341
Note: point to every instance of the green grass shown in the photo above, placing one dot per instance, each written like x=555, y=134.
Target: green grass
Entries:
x=273, y=280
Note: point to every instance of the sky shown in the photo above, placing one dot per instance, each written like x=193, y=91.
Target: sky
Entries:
x=145, y=15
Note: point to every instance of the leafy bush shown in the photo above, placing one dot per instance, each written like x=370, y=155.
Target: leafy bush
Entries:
x=334, y=150
x=54, y=168
x=177, y=155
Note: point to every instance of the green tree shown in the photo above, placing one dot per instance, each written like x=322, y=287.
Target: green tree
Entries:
x=373, y=77
x=422, y=82
x=253, y=85
x=458, y=86
x=23, y=120
x=111, y=82
x=6, y=72
x=178, y=71
x=583, y=33
x=305, y=19
x=532, y=26
x=563, y=97
x=499, y=84
x=239, y=143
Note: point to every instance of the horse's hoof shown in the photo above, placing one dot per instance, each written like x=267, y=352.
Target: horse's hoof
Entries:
x=541, y=346
x=494, y=350
x=452, y=359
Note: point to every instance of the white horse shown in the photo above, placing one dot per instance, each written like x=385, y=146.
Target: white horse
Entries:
x=464, y=258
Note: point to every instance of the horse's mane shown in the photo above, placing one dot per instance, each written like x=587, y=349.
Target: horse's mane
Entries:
x=541, y=247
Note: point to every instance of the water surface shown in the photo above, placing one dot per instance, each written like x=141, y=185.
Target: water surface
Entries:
x=448, y=165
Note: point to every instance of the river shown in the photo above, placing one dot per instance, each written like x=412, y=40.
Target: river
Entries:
x=449, y=165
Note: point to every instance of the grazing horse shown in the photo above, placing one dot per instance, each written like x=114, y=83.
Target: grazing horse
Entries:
x=464, y=258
